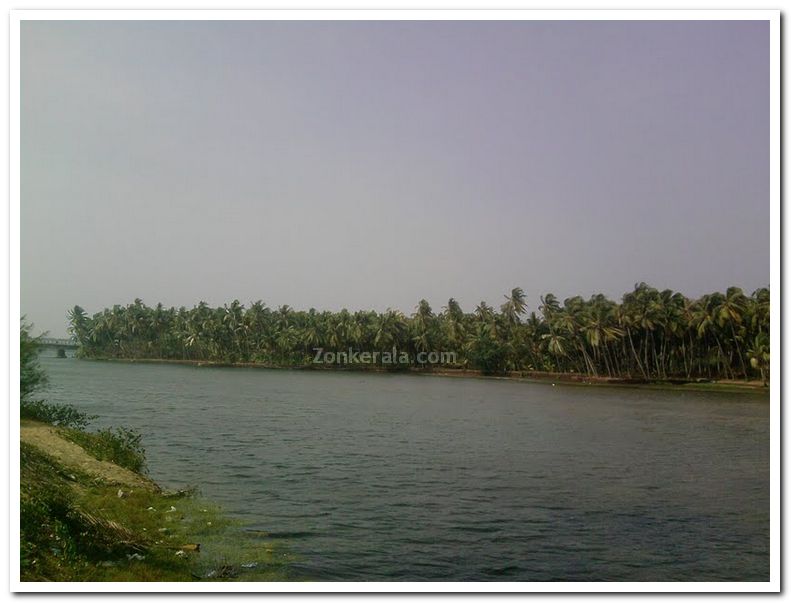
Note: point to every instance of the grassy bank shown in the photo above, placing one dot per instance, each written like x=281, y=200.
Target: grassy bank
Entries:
x=86, y=518
x=88, y=512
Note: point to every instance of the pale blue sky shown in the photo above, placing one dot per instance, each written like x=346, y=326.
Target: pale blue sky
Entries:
x=368, y=165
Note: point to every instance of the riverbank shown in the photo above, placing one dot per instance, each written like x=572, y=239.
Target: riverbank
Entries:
x=526, y=376
x=86, y=518
x=580, y=379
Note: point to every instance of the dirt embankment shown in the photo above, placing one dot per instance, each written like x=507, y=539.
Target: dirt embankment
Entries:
x=70, y=455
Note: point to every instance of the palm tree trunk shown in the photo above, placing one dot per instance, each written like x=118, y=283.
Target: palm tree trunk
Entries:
x=636, y=357
x=739, y=351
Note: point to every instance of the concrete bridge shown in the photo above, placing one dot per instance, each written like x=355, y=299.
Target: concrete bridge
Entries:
x=54, y=342
x=61, y=348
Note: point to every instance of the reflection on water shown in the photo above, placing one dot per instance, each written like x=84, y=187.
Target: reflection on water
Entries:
x=402, y=477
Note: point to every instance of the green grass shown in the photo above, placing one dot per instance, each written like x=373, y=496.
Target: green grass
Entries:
x=76, y=528
x=120, y=446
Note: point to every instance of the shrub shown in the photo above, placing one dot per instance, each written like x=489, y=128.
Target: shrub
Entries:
x=62, y=415
x=32, y=377
x=120, y=446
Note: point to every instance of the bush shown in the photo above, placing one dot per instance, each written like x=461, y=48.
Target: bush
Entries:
x=120, y=446
x=32, y=377
x=62, y=415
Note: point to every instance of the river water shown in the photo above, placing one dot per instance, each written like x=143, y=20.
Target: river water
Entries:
x=406, y=477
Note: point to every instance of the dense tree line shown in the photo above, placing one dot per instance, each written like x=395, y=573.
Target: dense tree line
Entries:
x=650, y=335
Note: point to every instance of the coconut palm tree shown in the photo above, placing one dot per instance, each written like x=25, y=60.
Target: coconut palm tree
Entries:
x=650, y=333
x=758, y=353
x=514, y=306
x=729, y=314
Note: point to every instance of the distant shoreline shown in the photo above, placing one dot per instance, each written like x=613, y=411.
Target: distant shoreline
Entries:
x=525, y=376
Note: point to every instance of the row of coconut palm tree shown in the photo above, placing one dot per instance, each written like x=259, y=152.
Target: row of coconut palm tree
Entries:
x=650, y=335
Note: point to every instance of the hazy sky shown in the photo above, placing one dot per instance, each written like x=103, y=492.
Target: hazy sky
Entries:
x=368, y=165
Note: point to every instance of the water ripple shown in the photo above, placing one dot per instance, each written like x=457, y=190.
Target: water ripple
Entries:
x=393, y=477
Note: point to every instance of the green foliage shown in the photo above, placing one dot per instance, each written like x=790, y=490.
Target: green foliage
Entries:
x=121, y=446
x=758, y=353
x=32, y=377
x=650, y=335
x=62, y=415
x=488, y=353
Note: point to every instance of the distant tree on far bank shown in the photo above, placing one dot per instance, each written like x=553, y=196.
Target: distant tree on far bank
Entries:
x=650, y=334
